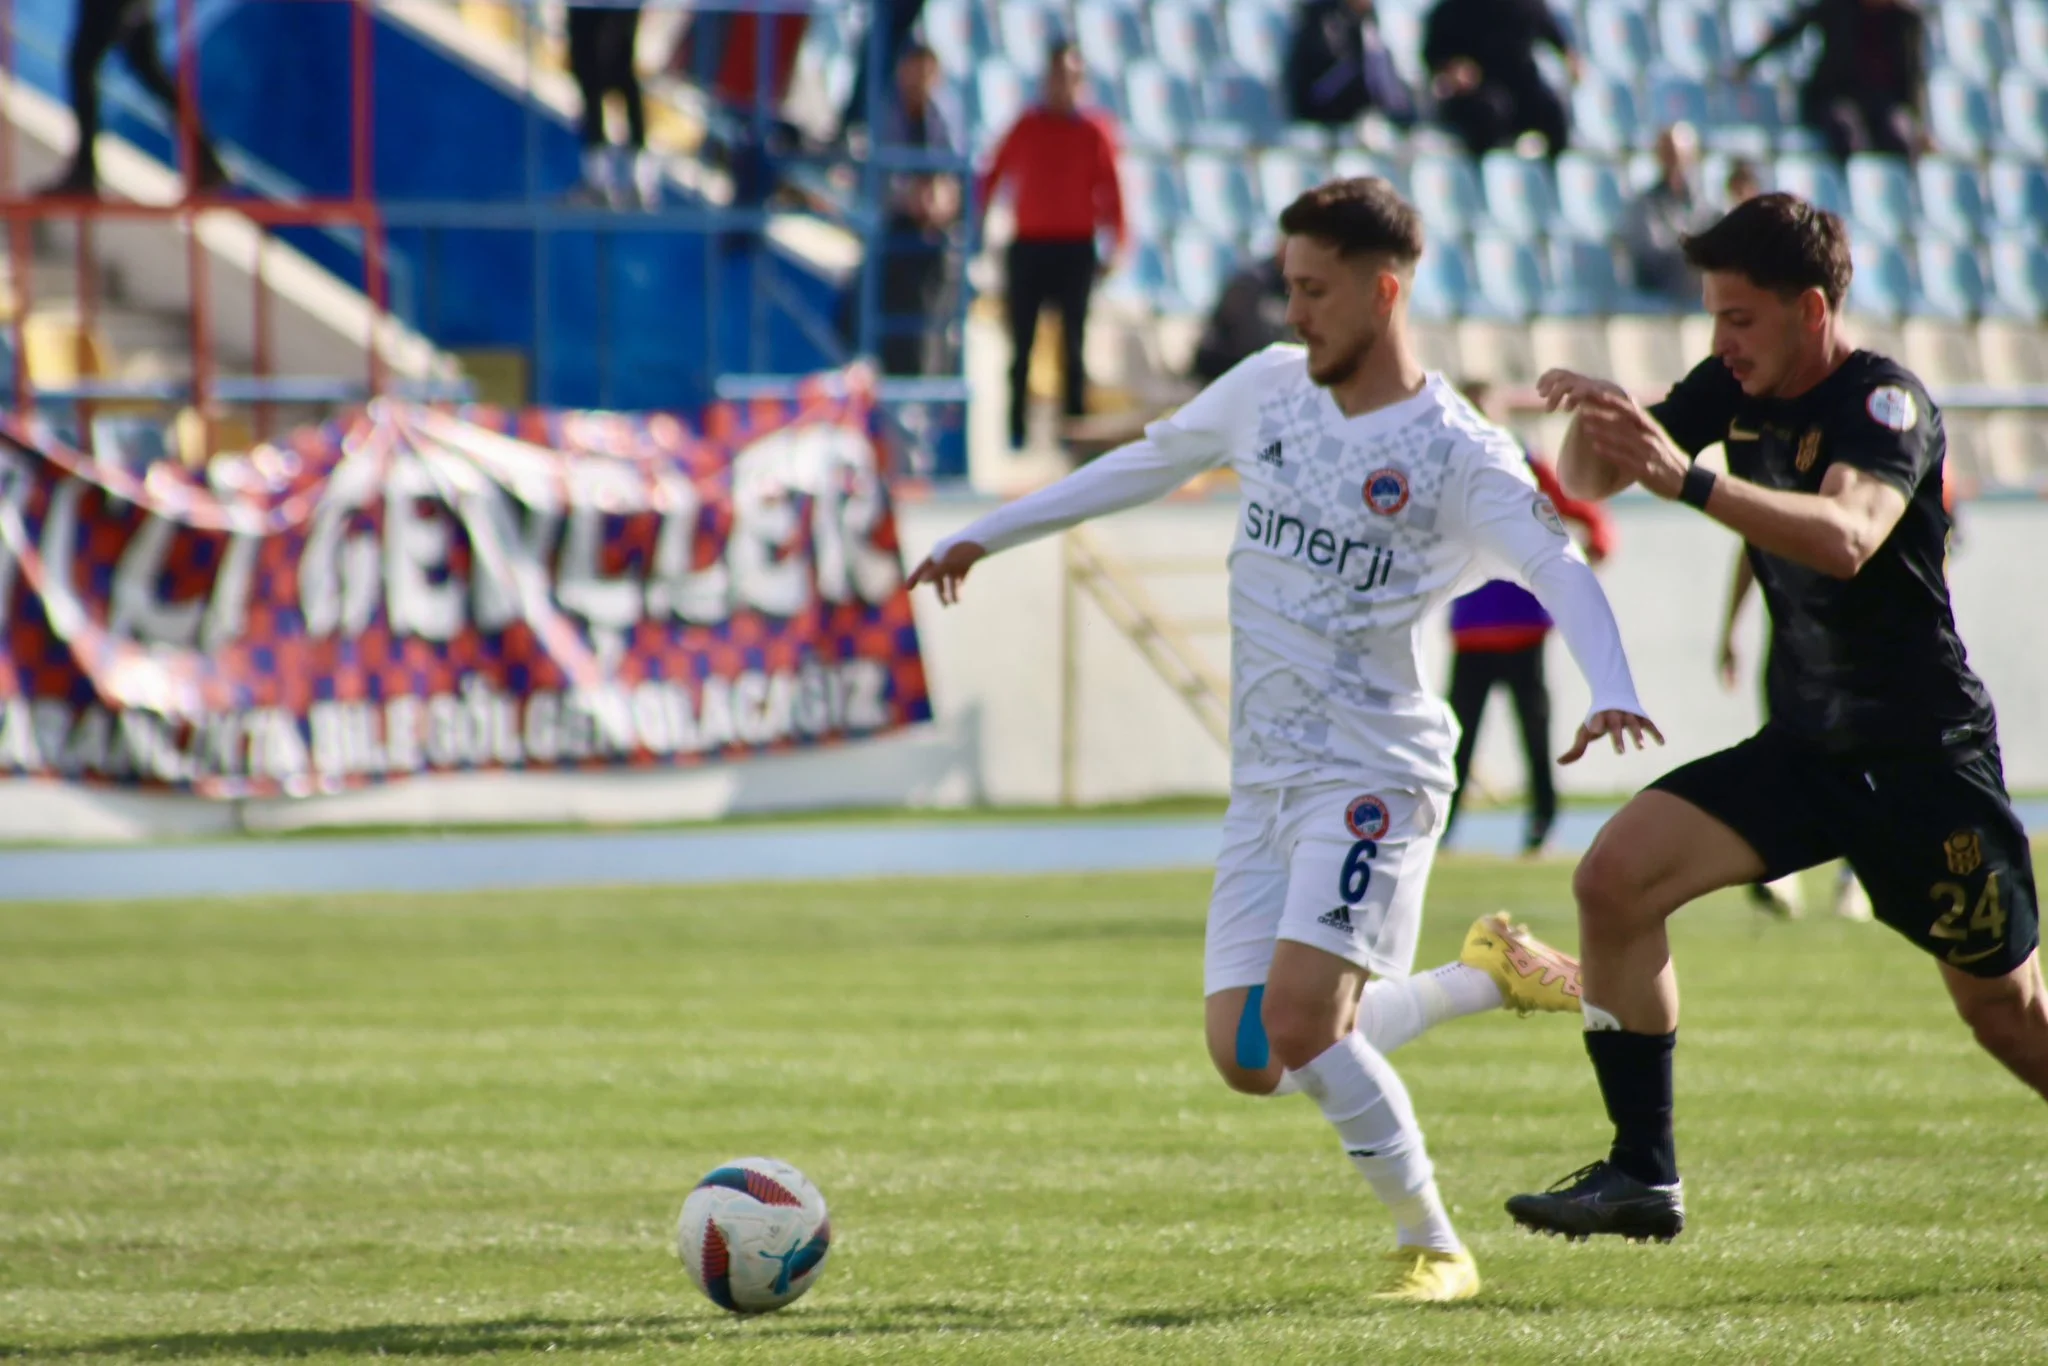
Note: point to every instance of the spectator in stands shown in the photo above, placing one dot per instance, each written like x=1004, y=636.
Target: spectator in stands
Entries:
x=1497, y=634
x=601, y=44
x=1250, y=315
x=1060, y=159
x=923, y=207
x=898, y=21
x=1481, y=56
x=1867, y=92
x=1744, y=183
x=1664, y=214
x=129, y=25
x=1339, y=69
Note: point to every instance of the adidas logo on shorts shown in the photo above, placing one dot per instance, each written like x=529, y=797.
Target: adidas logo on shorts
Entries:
x=1339, y=919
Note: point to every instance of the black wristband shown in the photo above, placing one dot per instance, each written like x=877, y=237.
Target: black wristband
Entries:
x=1697, y=488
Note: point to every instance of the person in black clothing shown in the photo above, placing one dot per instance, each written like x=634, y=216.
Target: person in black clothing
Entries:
x=1481, y=56
x=1881, y=745
x=898, y=21
x=1250, y=315
x=1868, y=90
x=923, y=208
x=130, y=25
x=601, y=43
x=1338, y=67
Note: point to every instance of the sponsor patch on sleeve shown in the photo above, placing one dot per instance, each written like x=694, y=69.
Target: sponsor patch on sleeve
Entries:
x=1546, y=513
x=1892, y=407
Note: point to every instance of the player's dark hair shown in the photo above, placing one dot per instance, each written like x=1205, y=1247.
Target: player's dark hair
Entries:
x=1361, y=216
x=1777, y=242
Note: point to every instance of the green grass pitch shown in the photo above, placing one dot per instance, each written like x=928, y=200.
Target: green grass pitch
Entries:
x=456, y=1127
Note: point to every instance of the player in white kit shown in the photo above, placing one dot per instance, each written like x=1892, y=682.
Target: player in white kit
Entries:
x=1371, y=493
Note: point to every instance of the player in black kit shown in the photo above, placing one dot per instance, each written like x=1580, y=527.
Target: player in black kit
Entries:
x=1881, y=746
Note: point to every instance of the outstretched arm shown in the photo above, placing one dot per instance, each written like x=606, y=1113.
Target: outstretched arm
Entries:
x=1738, y=593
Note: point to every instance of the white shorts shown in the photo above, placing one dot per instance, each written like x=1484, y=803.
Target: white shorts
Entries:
x=1337, y=866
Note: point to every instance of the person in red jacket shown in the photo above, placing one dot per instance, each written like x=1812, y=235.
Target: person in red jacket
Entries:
x=1059, y=160
x=1497, y=634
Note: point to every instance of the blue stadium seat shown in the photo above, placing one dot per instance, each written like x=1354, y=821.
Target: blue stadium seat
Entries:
x=1584, y=277
x=1883, y=280
x=1162, y=105
x=1446, y=192
x=1401, y=31
x=1520, y=199
x=1750, y=22
x=1951, y=199
x=1443, y=280
x=1972, y=40
x=1815, y=179
x=1283, y=174
x=1000, y=94
x=2019, y=197
x=1186, y=39
x=1510, y=278
x=1691, y=39
x=1881, y=197
x=1154, y=202
x=1605, y=116
x=2019, y=274
x=1028, y=30
x=1353, y=163
x=1109, y=35
x=1951, y=281
x=1960, y=115
x=2023, y=108
x=1202, y=265
x=1746, y=118
x=1617, y=37
x=1257, y=36
x=1220, y=196
x=2030, y=36
x=1589, y=194
x=949, y=28
x=1240, y=108
x=1146, y=279
x=1676, y=99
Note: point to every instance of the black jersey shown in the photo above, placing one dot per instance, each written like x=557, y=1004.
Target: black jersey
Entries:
x=1873, y=663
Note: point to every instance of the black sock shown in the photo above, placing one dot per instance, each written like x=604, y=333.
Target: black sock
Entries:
x=1635, y=1081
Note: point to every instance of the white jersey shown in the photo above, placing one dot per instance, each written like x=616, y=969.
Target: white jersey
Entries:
x=1350, y=531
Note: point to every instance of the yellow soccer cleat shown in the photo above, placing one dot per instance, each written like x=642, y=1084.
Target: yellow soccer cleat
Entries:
x=1531, y=975
x=1421, y=1276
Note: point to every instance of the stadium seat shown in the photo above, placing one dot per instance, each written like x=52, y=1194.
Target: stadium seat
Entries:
x=1676, y=99
x=1109, y=35
x=949, y=27
x=1584, y=280
x=1283, y=175
x=1951, y=281
x=1960, y=115
x=1617, y=37
x=1446, y=192
x=1028, y=29
x=1589, y=194
x=1352, y=163
x=1951, y=199
x=1443, y=279
x=1401, y=31
x=1154, y=203
x=1146, y=279
x=1201, y=266
x=2030, y=36
x=1257, y=36
x=1883, y=282
x=1690, y=38
x=2019, y=274
x=1605, y=116
x=1000, y=94
x=1510, y=277
x=1881, y=197
x=1220, y=196
x=1745, y=118
x=1185, y=39
x=1240, y=108
x=2019, y=197
x=1162, y=105
x=1815, y=179
x=1972, y=40
x=2023, y=109
x=1520, y=199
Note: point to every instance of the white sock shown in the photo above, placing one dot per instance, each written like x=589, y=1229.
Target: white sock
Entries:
x=597, y=167
x=1361, y=1095
x=647, y=178
x=1289, y=1084
x=1398, y=1010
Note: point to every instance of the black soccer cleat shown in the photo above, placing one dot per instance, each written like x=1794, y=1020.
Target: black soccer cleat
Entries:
x=1603, y=1199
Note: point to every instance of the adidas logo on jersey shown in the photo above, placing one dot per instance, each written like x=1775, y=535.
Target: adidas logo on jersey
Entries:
x=1271, y=456
x=1339, y=919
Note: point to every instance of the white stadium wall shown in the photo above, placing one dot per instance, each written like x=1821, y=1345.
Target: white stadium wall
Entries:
x=995, y=672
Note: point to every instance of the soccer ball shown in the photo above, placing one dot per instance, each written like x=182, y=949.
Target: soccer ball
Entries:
x=754, y=1234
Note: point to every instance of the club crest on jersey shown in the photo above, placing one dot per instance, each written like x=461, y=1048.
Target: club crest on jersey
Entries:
x=1965, y=852
x=1368, y=818
x=1809, y=449
x=1892, y=407
x=1386, y=492
x=1546, y=512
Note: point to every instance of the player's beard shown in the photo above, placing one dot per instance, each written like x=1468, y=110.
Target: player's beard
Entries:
x=1345, y=365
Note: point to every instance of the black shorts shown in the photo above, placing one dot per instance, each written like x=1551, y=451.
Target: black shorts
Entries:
x=1934, y=840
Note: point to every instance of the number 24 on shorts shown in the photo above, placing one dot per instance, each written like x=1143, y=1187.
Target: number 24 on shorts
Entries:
x=1357, y=872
